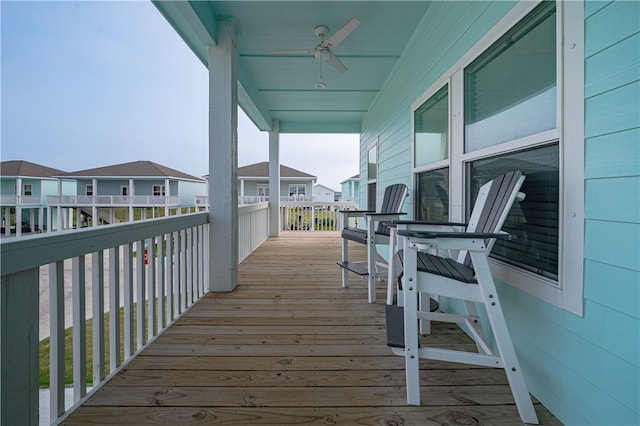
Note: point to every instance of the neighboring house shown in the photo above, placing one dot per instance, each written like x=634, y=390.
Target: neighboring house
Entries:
x=115, y=193
x=24, y=187
x=351, y=189
x=253, y=183
x=323, y=194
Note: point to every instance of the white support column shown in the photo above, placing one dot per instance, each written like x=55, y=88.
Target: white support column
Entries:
x=274, y=180
x=223, y=160
x=94, y=206
x=132, y=193
x=7, y=221
x=59, y=209
x=242, y=187
x=167, y=193
x=18, y=207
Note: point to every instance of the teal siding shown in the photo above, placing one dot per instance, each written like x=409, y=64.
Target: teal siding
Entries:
x=584, y=369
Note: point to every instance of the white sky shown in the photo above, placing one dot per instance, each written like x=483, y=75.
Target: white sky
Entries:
x=90, y=84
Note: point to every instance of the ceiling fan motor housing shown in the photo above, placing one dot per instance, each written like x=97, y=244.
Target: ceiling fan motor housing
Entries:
x=321, y=31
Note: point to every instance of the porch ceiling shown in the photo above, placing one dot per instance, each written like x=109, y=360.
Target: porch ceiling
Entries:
x=282, y=87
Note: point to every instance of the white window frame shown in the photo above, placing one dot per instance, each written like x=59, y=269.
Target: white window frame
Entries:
x=88, y=190
x=297, y=187
x=161, y=190
x=28, y=191
x=262, y=189
x=567, y=291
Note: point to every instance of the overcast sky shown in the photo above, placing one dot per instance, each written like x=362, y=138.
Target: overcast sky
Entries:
x=90, y=84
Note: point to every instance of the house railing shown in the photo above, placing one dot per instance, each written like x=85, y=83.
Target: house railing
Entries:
x=112, y=200
x=151, y=271
x=312, y=216
x=253, y=228
x=20, y=200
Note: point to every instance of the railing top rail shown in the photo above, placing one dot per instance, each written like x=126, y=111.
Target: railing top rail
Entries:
x=28, y=252
x=247, y=208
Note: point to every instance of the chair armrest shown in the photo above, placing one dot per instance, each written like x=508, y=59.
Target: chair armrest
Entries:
x=426, y=222
x=428, y=235
x=360, y=213
x=384, y=216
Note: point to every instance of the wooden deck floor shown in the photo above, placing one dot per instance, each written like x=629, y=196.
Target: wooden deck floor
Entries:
x=290, y=346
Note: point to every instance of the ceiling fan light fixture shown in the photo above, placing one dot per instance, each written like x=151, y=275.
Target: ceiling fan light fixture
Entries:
x=320, y=85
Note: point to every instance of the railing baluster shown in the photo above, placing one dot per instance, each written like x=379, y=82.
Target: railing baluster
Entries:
x=97, y=286
x=114, y=308
x=151, y=289
x=140, y=299
x=160, y=281
x=79, y=330
x=128, y=300
x=188, y=246
x=56, y=339
x=177, y=293
x=170, y=281
x=183, y=271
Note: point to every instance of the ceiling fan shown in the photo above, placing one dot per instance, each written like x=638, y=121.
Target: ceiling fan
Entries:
x=323, y=51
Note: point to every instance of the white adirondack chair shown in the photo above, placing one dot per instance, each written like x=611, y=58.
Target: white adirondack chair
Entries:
x=376, y=234
x=467, y=278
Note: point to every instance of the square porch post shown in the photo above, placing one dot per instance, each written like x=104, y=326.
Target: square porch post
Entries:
x=223, y=160
x=274, y=180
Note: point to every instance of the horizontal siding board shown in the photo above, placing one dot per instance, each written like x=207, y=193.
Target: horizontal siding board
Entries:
x=616, y=288
x=597, y=406
x=613, y=67
x=623, y=339
x=594, y=6
x=615, y=199
x=601, y=237
x=611, y=24
x=613, y=111
x=613, y=155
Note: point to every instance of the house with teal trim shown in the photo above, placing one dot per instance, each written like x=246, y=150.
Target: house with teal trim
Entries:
x=444, y=96
x=24, y=187
x=351, y=189
x=124, y=192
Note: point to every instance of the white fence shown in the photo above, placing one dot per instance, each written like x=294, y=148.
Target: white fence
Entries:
x=163, y=262
x=253, y=228
x=313, y=216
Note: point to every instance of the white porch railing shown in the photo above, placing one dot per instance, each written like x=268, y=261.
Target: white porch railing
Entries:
x=253, y=228
x=312, y=216
x=163, y=262
x=20, y=200
x=112, y=200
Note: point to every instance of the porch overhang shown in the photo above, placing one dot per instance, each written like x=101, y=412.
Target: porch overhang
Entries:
x=283, y=87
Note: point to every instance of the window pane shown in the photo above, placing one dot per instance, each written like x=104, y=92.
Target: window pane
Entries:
x=371, y=196
x=534, y=220
x=372, y=168
x=431, y=124
x=432, y=200
x=510, y=91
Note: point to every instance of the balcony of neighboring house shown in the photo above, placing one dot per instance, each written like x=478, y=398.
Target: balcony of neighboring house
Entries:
x=288, y=345
x=113, y=200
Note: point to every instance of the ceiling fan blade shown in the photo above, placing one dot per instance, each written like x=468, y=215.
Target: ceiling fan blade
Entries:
x=292, y=52
x=339, y=36
x=335, y=62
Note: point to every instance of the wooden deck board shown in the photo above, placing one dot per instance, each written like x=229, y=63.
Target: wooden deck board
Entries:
x=291, y=346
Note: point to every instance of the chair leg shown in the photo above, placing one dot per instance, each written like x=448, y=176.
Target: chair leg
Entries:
x=503, y=341
x=345, y=258
x=411, y=350
x=390, y=270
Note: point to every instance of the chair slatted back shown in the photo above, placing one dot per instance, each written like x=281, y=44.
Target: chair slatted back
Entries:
x=492, y=206
x=392, y=202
